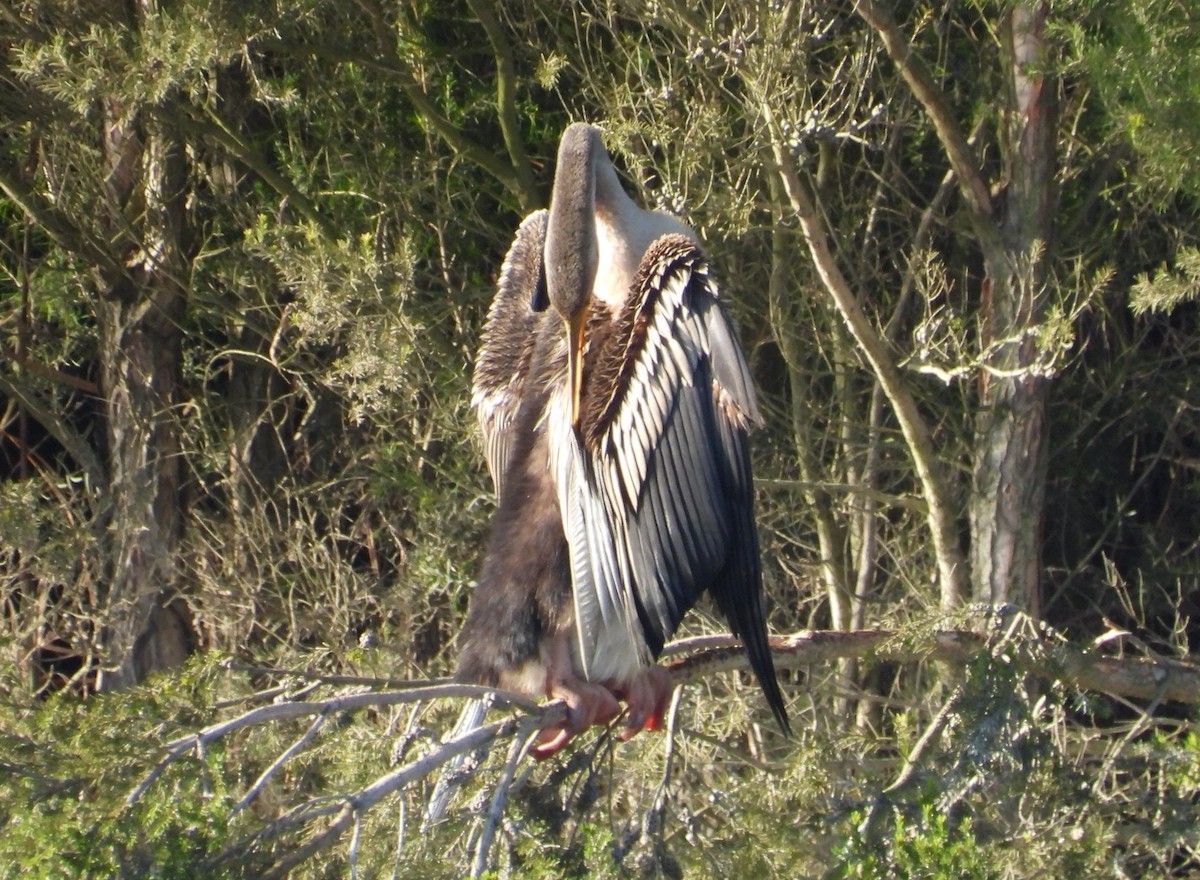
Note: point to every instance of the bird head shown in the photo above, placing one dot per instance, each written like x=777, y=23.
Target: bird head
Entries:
x=596, y=236
x=572, y=252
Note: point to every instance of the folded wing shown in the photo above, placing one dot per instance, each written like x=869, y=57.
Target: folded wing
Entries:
x=506, y=350
x=655, y=487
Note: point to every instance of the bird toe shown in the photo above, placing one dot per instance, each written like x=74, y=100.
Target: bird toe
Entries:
x=550, y=741
x=646, y=697
x=588, y=704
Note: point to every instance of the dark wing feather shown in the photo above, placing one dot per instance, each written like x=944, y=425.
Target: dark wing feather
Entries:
x=742, y=604
x=663, y=500
x=503, y=365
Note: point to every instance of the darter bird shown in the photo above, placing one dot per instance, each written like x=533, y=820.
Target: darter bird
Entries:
x=615, y=403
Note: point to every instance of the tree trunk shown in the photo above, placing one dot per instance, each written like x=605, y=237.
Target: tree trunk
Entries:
x=138, y=318
x=1013, y=229
x=1009, y=472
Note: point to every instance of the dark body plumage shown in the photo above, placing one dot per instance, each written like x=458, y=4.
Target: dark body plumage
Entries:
x=525, y=585
x=615, y=404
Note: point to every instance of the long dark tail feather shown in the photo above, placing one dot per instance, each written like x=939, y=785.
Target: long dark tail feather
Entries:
x=758, y=649
x=739, y=591
x=740, y=599
x=748, y=620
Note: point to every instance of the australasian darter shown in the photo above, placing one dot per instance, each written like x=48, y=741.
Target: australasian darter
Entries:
x=615, y=403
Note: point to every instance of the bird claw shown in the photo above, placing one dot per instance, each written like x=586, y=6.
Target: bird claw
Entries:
x=645, y=697
x=588, y=704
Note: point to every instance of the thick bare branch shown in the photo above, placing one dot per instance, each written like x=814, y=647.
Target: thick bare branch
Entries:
x=508, y=175
x=952, y=568
x=1134, y=677
x=506, y=102
x=344, y=703
x=954, y=141
x=176, y=748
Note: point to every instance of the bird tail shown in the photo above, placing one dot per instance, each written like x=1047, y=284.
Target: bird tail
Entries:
x=452, y=775
x=759, y=650
x=750, y=625
x=739, y=589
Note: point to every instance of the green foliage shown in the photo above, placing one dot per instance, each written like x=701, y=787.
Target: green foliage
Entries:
x=1142, y=59
x=70, y=764
x=923, y=848
x=1168, y=289
x=347, y=196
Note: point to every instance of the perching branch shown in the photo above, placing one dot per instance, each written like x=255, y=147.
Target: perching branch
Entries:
x=1034, y=651
x=1135, y=677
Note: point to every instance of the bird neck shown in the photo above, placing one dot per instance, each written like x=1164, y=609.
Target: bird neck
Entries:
x=623, y=234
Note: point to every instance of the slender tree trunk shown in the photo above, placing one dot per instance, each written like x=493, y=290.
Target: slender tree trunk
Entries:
x=935, y=483
x=1013, y=229
x=1009, y=473
x=830, y=540
x=139, y=318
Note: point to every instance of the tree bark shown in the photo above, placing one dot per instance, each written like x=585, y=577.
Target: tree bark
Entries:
x=138, y=317
x=1009, y=473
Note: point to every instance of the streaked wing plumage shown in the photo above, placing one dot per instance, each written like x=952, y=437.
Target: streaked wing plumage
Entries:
x=506, y=350
x=656, y=494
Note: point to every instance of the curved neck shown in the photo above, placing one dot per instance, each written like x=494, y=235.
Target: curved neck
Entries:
x=572, y=253
x=596, y=235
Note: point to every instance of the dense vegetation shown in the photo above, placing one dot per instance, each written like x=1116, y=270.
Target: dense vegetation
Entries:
x=247, y=248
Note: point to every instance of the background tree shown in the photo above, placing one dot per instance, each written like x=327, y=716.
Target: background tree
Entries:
x=247, y=248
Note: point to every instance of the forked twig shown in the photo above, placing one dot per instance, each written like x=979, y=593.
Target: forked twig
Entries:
x=521, y=742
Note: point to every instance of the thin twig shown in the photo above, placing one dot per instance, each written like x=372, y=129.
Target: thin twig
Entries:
x=250, y=795
x=374, y=681
x=354, y=839
x=913, y=759
x=521, y=742
x=652, y=824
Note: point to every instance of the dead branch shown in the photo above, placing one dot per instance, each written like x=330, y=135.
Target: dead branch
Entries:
x=305, y=708
x=1143, y=678
x=1009, y=636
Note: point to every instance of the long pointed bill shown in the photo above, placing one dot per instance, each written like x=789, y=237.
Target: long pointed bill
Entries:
x=575, y=327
